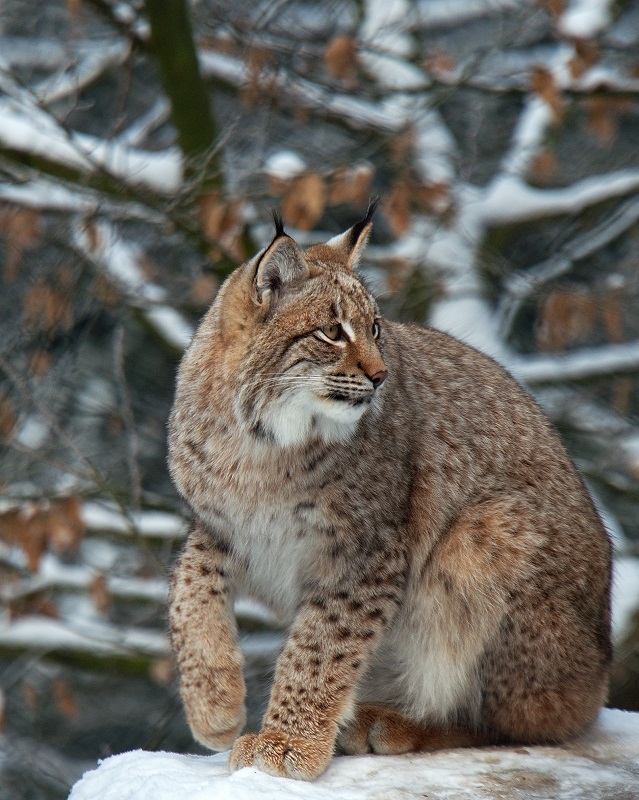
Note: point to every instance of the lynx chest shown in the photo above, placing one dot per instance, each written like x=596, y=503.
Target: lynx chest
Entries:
x=277, y=546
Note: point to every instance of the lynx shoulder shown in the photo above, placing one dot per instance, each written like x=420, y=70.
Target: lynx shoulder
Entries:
x=403, y=506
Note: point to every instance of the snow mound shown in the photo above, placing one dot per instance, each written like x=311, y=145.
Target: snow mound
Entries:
x=602, y=764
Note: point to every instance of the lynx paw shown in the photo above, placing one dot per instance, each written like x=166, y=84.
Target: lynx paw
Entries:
x=284, y=756
x=216, y=730
x=378, y=730
x=215, y=707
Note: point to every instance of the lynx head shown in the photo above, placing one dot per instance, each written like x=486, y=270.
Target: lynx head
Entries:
x=297, y=339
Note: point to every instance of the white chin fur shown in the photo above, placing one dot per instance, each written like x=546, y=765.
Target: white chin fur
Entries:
x=294, y=418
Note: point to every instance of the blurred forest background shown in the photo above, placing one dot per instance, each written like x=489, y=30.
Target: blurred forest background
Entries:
x=143, y=146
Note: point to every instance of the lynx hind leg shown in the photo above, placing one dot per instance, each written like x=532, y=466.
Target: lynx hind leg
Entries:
x=381, y=730
x=543, y=626
x=546, y=679
x=203, y=633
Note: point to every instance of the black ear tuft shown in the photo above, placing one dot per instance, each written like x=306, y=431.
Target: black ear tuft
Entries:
x=356, y=231
x=372, y=205
x=279, y=224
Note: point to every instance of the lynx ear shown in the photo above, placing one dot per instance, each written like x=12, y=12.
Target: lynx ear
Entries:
x=280, y=265
x=351, y=244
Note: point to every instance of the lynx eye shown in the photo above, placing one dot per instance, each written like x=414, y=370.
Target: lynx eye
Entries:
x=375, y=330
x=331, y=332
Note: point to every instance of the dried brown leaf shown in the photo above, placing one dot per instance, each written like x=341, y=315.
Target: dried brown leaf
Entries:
x=40, y=363
x=93, y=235
x=542, y=83
x=37, y=604
x=612, y=316
x=25, y=528
x=397, y=206
x=543, y=166
x=8, y=417
x=114, y=423
x=555, y=8
x=278, y=186
x=621, y=394
x=204, y=290
x=46, y=309
x=100, y=593
x=565, y=317
x=66, y=527
x=305, y=201
x=602, y=116
x=340, y=58
x=439, y=63
x=30, y=696
x=33, y=536
x=20, y=227
x=12, y=526
x=350, y=186
x=148, y=267
x=64, y=698
x=105, y=291
x=258, y=86
x=401, y=146
x=221, y=222
x=221, y=44
x=434, y=198
x=587, y=54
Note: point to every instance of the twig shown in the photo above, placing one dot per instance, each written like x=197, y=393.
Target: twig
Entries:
x=132, y=446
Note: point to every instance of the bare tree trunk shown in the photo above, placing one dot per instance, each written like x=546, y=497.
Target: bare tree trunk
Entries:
x=172, y=43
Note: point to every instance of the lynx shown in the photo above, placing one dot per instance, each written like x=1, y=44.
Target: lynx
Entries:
x=400, y=503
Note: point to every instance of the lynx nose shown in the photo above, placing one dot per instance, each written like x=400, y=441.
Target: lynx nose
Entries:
x=378, y=378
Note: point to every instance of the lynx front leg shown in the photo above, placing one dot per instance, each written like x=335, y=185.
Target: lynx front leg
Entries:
x=331, y=640
x=203, y=633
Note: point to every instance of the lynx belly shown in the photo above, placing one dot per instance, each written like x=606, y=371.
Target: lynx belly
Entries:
x=426, y=665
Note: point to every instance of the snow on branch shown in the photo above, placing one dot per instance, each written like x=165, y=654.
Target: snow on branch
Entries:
x=509, y=199
x=584, y=19
x=302, y=93
x=101, y=245
x=137, y=132
x=53, y=574
x=387, y=45
x=435, y=14
x=26, y=128
x=91, y=63
x=31, y=51
x=46, y=635
x=103, y=639
x=579, y=364
x=45, y=194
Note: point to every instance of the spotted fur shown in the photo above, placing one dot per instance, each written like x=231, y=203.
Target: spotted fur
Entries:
x=402, y=505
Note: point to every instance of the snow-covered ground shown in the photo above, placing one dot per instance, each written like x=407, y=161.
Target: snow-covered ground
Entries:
x=600, y=765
